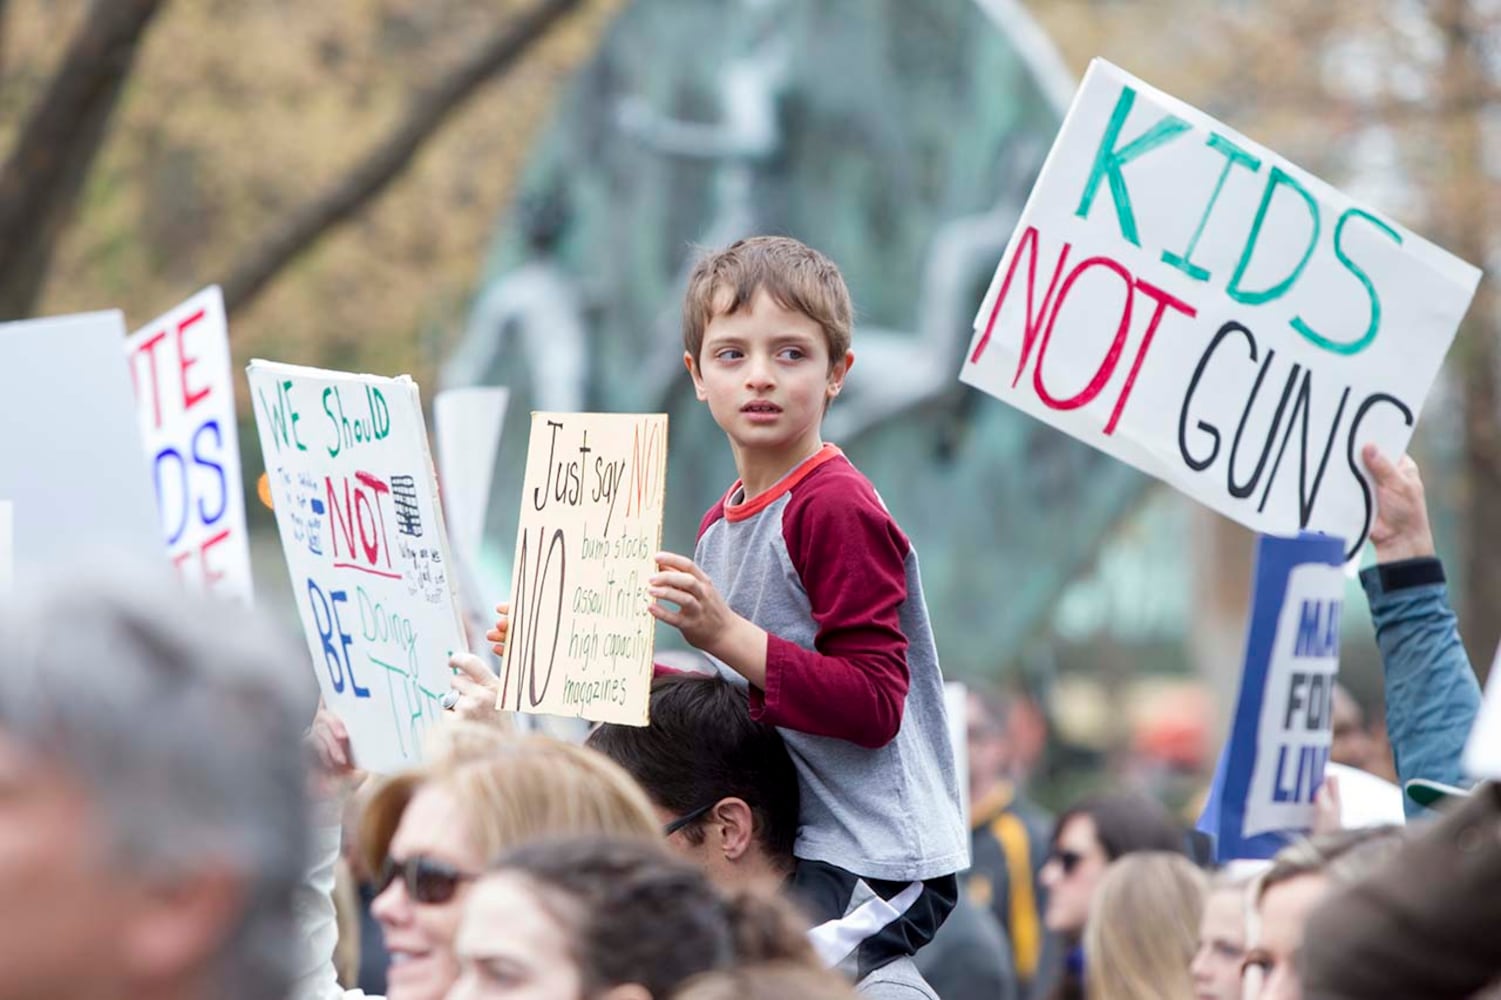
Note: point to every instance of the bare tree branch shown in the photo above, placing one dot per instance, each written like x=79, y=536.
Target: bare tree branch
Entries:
x=40, y=184
x=429, y=110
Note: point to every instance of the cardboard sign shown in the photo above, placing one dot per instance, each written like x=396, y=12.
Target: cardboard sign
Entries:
x=1483, y=751
x=1273, y=763
x=581, y=637
x=71, y=461
x=1193, y=304
x=180, y=368
x=357, y=507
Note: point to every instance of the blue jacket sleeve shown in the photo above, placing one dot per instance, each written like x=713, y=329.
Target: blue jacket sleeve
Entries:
x=1432, y=696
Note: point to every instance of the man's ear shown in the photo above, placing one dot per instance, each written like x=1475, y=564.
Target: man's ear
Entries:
x=698, y=379
x=737, y=827
x=179, y=927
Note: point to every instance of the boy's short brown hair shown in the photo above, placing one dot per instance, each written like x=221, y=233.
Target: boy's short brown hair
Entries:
x=795, y=275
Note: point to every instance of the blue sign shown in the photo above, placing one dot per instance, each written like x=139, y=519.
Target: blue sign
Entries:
x=1273, y=763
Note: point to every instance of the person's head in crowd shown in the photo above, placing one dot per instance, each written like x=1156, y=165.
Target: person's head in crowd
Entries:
x=1222, y=937
x=768, y=981
x=611, y=919
x=153, y=814
x=430, y=834
x=1352, y=744
x=989, y=748
x=722, y=783
x=1142, y=928
x=1301, y=875
x=1087, y=838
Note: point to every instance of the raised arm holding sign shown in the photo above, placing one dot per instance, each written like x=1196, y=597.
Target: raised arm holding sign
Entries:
x=357, y=508
x=1191, y=303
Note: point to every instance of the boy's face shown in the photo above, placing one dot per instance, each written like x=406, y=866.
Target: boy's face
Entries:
x=765, y=372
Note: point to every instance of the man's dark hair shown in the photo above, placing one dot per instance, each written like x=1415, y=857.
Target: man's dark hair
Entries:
x=703, y=746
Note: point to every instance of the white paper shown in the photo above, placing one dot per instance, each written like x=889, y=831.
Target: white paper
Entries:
x=71, y=460
x=1483, y=752
x=467, y=425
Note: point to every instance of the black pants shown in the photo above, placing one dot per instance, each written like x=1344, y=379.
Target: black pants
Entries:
x=861, y=924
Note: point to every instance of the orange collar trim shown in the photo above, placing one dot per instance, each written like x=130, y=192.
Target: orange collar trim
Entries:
x=750, y=508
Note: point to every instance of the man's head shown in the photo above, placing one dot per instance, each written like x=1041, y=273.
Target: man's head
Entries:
x=988, y=747
x=152, y=812
x=727, y=778
x=1352, y=743
x=797, y=277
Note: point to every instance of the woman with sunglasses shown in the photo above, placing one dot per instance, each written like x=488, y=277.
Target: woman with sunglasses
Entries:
x=430, y=833
x=1086, y=839
x=613, y=919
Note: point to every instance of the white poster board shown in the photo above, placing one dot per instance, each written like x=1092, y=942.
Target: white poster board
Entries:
x=7, y=551
x=467, y=425
x=357, y=507
x=1189, y=302
x=180, y=368
x=71, y=461
x=581, y=638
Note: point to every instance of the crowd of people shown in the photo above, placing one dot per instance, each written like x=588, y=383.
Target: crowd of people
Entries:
x=787, y=825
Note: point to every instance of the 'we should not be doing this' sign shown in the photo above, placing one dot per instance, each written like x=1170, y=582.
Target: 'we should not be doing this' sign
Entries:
x=1195, y=305
x=357, y=509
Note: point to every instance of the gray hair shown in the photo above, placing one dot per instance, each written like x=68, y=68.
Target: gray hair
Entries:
x=182, y=718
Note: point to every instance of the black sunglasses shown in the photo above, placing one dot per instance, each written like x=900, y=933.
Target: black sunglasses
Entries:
x=1067, y=860
x=426, y=880
x=687, y=818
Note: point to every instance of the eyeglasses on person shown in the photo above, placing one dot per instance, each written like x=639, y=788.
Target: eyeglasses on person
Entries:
x=687, y=818
x=427, y=880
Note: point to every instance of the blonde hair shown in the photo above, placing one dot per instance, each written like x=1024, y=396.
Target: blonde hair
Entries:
x=513, y=789
x=797, y=277
x=1143, y=928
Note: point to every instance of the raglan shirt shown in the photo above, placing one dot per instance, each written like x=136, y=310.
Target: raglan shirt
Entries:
x=852, y=675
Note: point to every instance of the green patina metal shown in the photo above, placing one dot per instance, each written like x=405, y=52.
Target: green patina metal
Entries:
x=898, y=136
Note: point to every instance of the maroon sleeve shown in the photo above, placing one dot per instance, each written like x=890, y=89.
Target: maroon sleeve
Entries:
x=851, y=557
x=713, y=514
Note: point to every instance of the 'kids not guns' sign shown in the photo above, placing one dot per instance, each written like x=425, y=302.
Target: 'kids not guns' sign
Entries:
x=357, y=507
x=180, y=368
x=581, y=638
x=1273, y=763
x=1193, y=304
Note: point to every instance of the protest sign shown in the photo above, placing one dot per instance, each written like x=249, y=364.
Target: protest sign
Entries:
x=180, y=368
x=581, y=637
x=71, y=461
x=467, y=425
x=357, y=507
x=1193, y=304
x=1273, y=763
x=1483, y=751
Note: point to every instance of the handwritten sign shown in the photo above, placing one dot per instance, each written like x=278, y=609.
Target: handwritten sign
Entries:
x=179, y=365
x=591, y=522
x=71, y=460
x=1273, y=763
x=357, y=507
x=1195, y=305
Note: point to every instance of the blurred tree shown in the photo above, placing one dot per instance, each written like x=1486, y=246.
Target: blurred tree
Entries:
x=243, y=134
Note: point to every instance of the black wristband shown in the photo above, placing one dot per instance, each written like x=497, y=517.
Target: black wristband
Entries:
x=1406, y=573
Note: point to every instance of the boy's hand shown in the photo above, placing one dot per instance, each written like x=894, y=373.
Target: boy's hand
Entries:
x=1400, y=529
x=704, y=618
x=502, y=628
